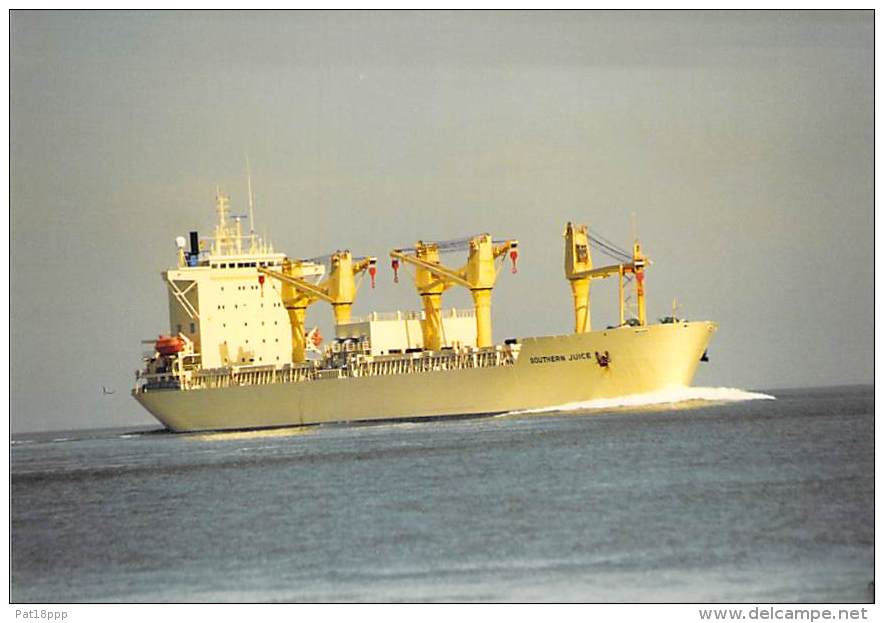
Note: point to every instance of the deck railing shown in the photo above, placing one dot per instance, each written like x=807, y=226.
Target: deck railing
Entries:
x=355, y=366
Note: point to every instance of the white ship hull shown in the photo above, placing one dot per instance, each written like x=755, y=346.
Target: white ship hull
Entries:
x=549, y=371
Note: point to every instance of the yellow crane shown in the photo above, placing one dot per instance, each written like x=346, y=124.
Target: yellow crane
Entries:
x=580, y=272
x=478, y=275
x=338, y=289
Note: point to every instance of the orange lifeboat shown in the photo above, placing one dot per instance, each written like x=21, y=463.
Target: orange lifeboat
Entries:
x=169, y=345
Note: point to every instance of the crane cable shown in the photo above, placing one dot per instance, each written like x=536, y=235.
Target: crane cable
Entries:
x=608, y=248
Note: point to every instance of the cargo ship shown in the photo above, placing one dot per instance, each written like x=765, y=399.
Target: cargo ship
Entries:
x=239, y=354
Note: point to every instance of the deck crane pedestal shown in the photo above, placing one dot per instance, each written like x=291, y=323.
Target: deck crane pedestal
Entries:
x=478, y=275
x=338, y=289
x=580, y=273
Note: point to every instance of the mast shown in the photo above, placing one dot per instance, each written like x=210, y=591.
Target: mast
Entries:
x=222, y=234
x=251, y=206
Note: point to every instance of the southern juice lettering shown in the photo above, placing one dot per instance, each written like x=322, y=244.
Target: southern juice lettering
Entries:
x=589, y=356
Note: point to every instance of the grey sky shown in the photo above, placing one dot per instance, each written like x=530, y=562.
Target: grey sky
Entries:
x=742, y=141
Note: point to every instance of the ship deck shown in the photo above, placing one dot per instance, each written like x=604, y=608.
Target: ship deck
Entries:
x=354, y=365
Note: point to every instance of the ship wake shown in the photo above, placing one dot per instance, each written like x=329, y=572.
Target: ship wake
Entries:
x=663, y=397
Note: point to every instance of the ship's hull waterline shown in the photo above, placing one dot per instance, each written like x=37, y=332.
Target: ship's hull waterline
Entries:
x=549, y=371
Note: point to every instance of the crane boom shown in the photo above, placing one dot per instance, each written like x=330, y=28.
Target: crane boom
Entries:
x=436, y=269
x=603, y=272
x=306, y=288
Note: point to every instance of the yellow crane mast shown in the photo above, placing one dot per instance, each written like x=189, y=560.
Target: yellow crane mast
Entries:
x=577, y=261
x=478, y=275
x=338, y=289
x=580, y=273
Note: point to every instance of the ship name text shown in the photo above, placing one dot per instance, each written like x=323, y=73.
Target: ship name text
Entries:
x=588, y=356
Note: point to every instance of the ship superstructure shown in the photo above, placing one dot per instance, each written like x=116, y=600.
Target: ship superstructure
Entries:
x=240, y=354
x=217, y=307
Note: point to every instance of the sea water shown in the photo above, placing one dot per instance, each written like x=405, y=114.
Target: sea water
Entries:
x=712, y=495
